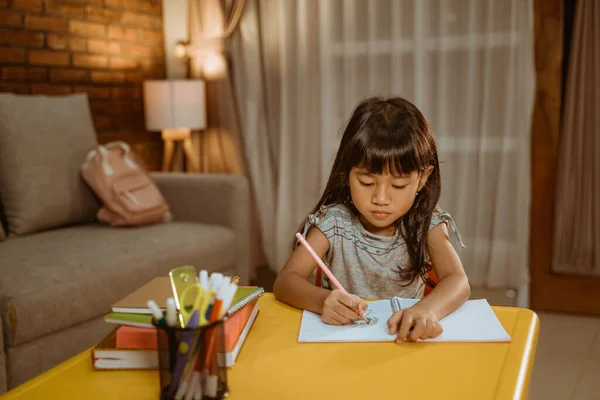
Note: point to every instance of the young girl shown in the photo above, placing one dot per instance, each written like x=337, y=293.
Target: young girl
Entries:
x=378, y=228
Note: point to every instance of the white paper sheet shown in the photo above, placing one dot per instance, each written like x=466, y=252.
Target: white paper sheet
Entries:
x=475, y=321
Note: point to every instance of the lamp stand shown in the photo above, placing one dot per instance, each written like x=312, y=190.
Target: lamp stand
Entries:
x=172, y=137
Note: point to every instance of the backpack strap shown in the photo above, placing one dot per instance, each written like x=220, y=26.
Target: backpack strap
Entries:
x=105, y=165
x=126, y=149
x=103, y=151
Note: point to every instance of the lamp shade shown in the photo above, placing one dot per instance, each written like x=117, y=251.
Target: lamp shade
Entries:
x=174, y=104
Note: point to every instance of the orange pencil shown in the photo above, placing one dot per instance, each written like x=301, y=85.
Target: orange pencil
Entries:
x=216, y=309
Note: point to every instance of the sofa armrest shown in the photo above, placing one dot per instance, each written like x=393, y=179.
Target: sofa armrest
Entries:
x=219, y=199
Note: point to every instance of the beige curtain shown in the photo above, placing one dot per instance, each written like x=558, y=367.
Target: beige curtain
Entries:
x=220, y=145
x=577, y=214
x=276, y=69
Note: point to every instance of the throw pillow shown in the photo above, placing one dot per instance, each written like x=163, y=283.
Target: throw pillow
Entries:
x=43, y=142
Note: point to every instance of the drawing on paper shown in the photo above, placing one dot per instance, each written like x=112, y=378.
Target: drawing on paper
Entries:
x=372, y=319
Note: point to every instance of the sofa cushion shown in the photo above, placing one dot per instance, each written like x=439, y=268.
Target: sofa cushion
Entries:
x=43, y=142
x=56, y=279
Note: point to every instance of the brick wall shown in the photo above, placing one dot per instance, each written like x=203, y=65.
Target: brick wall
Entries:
x=105, y=48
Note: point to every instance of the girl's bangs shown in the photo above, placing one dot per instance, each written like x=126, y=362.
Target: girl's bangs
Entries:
x=395, y=159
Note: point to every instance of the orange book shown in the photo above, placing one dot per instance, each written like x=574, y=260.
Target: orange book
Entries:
x=132, y=337
x=106, y=355
x=234, y=326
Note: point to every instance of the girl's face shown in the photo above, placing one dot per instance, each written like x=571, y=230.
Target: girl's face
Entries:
x=382, y=199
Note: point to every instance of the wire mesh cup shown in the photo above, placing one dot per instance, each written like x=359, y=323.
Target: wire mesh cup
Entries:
x=191, y=362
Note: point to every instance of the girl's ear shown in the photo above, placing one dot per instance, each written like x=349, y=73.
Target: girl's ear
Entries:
x=423, y=176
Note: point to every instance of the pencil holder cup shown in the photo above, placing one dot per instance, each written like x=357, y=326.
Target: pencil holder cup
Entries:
x=190, y=362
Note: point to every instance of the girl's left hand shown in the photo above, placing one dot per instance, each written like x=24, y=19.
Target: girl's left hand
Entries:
x=421, y=319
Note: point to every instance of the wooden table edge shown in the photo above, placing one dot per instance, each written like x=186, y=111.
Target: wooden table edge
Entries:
x=513, y=382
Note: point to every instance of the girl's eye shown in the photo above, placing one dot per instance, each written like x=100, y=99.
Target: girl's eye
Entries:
x=399, y=187
x=365, y=183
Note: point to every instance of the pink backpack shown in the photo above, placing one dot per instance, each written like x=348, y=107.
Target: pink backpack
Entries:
x=120, y=180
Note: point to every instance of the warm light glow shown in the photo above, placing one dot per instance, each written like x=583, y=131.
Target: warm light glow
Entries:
x=174, y=104
x=181, y=50
x=176, y=134
x=215, y=66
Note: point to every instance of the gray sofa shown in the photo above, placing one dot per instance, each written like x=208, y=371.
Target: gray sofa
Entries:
x=60, y=271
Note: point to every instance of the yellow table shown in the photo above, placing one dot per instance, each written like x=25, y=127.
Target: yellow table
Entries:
x=273, y=365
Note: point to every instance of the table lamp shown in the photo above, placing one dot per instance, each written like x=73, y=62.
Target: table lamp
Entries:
x=175, y=107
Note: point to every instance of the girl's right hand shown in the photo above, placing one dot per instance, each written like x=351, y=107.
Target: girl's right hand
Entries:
x=341, y=308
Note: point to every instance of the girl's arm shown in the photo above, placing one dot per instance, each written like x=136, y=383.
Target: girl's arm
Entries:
x=421, y=320
x=292, y=286
x=453, y=288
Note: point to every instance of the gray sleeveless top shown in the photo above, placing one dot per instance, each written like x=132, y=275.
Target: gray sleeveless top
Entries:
x=366, y=264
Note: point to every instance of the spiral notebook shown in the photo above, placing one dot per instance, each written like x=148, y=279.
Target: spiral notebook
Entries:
x=474, y=321
x=244, y=295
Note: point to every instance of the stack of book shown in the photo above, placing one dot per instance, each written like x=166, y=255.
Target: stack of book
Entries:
x=133, y=343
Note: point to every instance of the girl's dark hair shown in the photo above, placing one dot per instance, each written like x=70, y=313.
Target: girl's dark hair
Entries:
x=390, y=134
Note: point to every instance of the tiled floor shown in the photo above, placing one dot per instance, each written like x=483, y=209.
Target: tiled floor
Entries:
x=567, y=362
